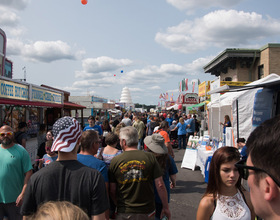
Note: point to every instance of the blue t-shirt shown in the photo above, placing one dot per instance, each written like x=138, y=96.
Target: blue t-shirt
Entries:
x=171, y=169
x=48, y=159
x=190, y=122
x=227, y=124
x=91, y=161
x=181, y=128
x=244, y=153
x=169, y=120
x=95, y=127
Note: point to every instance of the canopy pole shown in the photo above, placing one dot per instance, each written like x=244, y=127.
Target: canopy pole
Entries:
x=237, y=118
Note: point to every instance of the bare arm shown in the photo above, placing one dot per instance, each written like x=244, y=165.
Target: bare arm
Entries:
x=163, y=197
x=98, y=217
x=107, y=212
x=113, y=187
x=21, y=195
x=170, y=149
x=173, y=181
x=206, y=208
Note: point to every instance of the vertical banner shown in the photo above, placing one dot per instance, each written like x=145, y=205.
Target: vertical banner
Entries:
x=186, y=85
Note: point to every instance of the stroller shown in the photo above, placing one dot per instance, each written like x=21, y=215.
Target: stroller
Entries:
x=173, y=139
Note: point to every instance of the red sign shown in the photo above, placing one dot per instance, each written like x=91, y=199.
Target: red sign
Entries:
x=190, y=98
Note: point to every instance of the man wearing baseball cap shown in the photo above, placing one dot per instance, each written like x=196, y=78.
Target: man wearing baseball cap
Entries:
x=67, y=179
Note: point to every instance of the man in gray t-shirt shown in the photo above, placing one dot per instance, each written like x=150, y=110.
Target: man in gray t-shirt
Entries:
x=126, y=120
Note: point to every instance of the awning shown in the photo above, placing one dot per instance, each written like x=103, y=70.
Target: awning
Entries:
x=198, y=105
x=17, y=102
x=72, y=105
x=226, y=88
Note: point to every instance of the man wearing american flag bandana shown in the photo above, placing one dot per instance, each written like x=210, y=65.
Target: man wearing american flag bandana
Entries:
x=67, y=179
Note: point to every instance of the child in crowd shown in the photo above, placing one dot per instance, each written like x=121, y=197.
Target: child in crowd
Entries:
x=49, y=156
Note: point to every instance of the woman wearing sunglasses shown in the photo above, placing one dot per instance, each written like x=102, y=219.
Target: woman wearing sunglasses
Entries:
x=224, y=197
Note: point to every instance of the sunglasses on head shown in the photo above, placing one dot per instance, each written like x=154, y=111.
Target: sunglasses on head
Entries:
x=10, y=133
x=244, y=171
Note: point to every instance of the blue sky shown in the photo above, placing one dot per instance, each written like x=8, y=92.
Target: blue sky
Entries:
x=83, y=48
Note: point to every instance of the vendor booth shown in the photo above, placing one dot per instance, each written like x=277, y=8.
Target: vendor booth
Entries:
x=239, y=105
x=248, y=106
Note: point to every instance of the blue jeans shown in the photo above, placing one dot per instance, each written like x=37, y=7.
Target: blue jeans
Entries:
x=180, y=139
x=140, y=144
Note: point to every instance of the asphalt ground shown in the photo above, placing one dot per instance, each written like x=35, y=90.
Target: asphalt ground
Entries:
x=190, y=187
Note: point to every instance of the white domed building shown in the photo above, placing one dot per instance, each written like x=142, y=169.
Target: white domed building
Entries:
x=126, y=100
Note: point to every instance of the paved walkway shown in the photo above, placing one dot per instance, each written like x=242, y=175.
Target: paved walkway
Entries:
x=190, y=188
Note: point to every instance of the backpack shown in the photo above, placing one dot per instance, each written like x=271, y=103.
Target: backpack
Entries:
x=152, y=126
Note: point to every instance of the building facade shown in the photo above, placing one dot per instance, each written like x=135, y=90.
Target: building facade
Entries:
x=245, y=64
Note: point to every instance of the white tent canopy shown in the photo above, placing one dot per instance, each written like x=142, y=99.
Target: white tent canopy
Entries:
x=174, y=107
x=227, y=106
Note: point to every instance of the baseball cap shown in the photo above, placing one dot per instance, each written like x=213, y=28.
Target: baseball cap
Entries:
x=66, y=132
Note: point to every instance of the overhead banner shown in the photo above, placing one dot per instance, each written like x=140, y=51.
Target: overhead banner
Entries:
x=203, y=88
x=230, y=83
x=13, y=90
x=42, y=95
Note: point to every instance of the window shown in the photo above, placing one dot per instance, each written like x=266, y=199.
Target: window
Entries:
x=260, y=72
x=228, y=79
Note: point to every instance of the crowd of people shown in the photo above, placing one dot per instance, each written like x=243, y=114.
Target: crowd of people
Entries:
x=124, y=169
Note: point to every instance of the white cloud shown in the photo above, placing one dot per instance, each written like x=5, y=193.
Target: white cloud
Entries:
x=16, y=4
x=196, y=66
x=155, y=88
x=147, y=80
x=103, y=63
x=136, y=90
x=195, y=4
x=42, y=51
x=219, y=28
x=8, y=17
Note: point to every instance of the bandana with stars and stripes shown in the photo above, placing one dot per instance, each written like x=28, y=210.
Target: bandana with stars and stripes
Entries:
x=67, y=132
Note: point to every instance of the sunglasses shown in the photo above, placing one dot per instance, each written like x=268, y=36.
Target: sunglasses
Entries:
x=244, y=171
x=2, y=134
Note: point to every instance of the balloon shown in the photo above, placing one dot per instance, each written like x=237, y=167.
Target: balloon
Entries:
x=121, y=71
x=114, y=74
x=84, y=2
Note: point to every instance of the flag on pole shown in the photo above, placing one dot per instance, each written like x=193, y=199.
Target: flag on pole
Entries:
x=166, y=95
x=186, y=85
x=193, y=85
x=183, y=85
x=180, y=86
x=198, y=82
x=171, y=97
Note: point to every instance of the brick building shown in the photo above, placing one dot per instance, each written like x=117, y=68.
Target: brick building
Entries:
x=235, y=64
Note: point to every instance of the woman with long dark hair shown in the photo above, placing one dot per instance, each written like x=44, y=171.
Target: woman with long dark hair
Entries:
x=224, y=198
x=155, y=144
